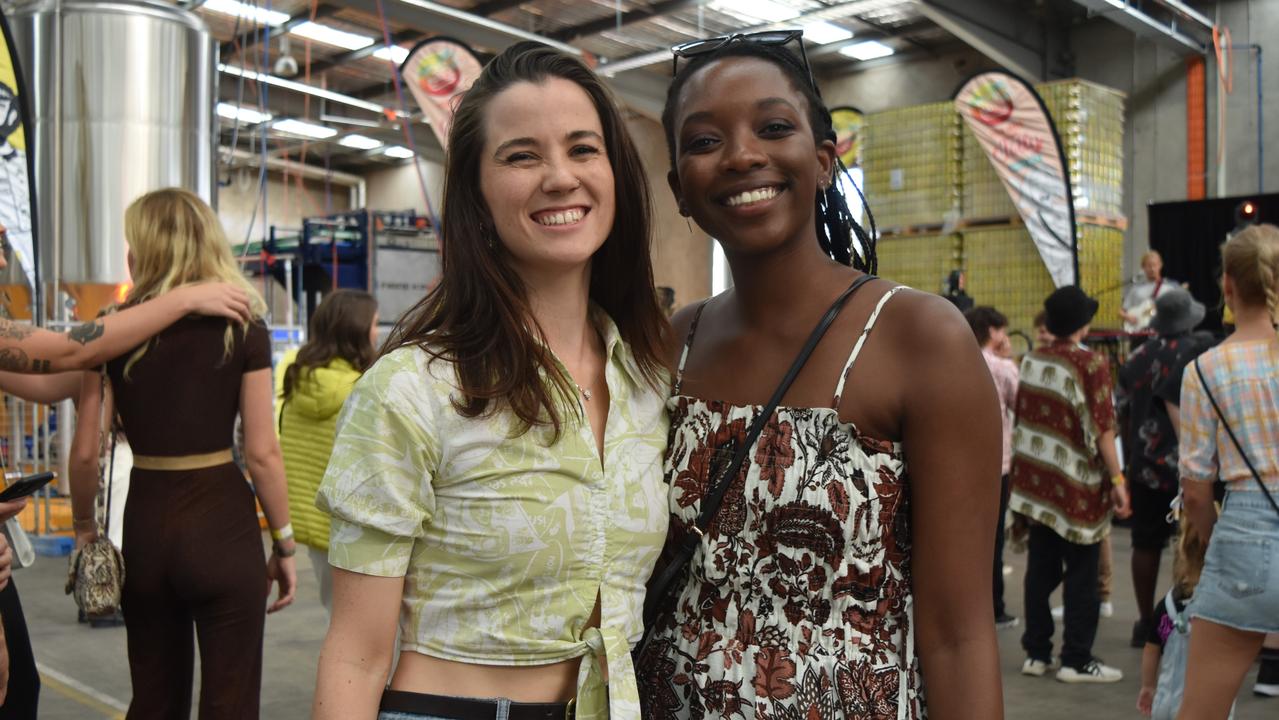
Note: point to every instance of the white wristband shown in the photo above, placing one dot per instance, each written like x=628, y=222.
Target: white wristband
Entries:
x=284, y=533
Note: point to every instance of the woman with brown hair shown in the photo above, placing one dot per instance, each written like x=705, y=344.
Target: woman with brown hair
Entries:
x=1229, y=432
x=314, y=382
x=496, y=477
x=193, y=547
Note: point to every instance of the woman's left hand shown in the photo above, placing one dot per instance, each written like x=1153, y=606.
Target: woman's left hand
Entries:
x=282, y=570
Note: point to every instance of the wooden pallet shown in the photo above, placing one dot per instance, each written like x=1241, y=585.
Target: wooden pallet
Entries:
x=988, y=223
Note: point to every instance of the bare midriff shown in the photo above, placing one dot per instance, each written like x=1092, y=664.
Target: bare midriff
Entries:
x=420, y=673
x=556, y=682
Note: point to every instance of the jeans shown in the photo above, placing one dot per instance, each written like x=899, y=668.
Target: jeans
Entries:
x=1049, y=554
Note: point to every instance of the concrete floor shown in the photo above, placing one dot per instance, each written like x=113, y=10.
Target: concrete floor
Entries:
x=86, y=672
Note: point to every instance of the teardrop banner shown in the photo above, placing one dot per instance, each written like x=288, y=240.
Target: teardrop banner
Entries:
x=438, y=71
x=848, y=123
x=17, y=175
x=1019, y=137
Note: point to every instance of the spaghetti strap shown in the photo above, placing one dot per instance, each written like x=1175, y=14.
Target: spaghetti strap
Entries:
x=688, y=346
x=861, y=340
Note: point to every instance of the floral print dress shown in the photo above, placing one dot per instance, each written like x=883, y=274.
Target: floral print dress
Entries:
x=798, y=601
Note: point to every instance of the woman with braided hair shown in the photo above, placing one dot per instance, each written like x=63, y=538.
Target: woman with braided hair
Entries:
x=1229, y=431
x=803, y=596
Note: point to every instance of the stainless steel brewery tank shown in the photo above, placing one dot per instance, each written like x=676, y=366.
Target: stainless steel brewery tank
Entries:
x=121, y=96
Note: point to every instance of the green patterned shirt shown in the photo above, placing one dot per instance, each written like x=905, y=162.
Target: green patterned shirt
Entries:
x=504, y=543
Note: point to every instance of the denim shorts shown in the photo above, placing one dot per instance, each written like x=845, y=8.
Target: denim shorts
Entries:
x=1239, y=587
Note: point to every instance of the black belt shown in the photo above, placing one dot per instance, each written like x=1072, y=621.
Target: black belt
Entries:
x=456, y=708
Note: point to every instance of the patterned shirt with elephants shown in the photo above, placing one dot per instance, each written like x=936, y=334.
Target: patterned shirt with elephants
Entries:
x=1064, y=406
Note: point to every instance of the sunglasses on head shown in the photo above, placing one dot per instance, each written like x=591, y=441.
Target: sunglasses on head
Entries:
x=697, y=48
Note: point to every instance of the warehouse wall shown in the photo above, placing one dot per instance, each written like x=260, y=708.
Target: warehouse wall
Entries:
x=919, y=79
x=286, y=205
x=399, y=188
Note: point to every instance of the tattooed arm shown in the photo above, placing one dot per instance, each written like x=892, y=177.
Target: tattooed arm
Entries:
x=28, y=349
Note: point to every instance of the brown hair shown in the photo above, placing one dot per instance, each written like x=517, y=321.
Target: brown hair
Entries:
x=478, y=317
x=338, y=329
x=982, y=319
x=1251, y=259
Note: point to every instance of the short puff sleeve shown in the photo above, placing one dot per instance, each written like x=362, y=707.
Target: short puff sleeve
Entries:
x=378, y=485
x=1197, y=451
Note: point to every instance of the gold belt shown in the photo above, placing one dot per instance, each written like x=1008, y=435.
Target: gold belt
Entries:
x=182, y=462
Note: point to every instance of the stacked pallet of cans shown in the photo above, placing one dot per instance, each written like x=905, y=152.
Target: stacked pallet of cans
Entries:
x=911, y=158
x=924, y=168
x=1090, y=123
x=919, y=261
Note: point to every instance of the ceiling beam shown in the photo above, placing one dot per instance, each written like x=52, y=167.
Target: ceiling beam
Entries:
x=1017, y=41
x=493, y=7
x=250, y=38
x=610, y=22
x=327, y=64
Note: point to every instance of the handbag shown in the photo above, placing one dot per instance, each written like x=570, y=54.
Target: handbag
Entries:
x=1220, y=416
x=672, y=572
x=96, y=575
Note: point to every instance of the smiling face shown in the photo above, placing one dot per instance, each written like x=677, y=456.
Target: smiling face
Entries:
x=747, y=166
x=545, y=175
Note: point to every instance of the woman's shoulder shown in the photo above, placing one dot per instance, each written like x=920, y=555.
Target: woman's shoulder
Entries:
x=916, y=321
x=407, y=373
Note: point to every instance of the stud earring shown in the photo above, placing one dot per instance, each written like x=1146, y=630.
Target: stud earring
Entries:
x=683, y=210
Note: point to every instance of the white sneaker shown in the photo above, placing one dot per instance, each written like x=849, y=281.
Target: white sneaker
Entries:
x=1059, y=612
x=1107, y=609
x=1037, y=668
x=1094, y=672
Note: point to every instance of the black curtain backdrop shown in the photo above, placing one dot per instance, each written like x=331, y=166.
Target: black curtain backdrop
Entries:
x=1188, y=234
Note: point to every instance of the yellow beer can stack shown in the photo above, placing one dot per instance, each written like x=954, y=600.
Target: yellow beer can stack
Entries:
x=911, y=159
x=925, y=173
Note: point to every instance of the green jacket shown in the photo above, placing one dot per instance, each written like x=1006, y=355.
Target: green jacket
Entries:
x=306, y=425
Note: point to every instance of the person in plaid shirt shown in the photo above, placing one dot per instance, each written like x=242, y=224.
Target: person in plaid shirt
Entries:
x=1237, y=601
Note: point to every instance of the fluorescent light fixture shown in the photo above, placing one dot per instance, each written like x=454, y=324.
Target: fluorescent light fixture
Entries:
x=824, y=32
x=305, y=129
x=332, y=36
x=868, y=50
x=759, y=9
x=359, y=142
x=242, y=114
x=398, y=151
x=304, y=88
x=394, y=53
x=246, y=11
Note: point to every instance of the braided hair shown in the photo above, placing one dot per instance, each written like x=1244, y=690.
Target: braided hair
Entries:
x=836, y=225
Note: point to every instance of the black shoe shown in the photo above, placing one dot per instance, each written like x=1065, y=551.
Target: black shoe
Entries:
x=1267, y=679
x=1140, y=634
x=1004, y=621
x=106, y=621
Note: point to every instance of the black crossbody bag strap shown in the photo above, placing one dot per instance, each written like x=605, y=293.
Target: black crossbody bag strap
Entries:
x=663, y=582
x=1255, y=475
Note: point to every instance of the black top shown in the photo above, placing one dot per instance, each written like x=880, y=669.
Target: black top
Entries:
x=1151, y=376
x=182, y=396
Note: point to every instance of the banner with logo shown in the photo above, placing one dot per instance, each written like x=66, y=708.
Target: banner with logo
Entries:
x=438, y=71
x=848, y=124
x=1014, y=128
x=17, y=179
